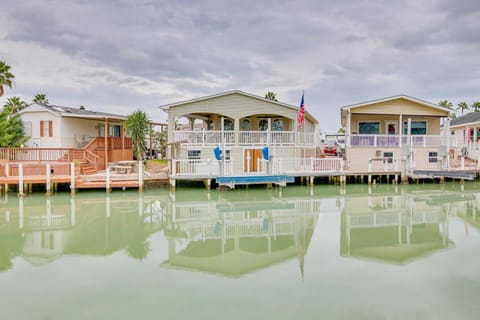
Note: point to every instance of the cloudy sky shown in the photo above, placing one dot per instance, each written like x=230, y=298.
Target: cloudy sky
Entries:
x=121, y=55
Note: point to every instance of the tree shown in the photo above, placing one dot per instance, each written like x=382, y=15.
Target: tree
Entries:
x=446, y=104
x=476, y=106
x=341, y=130
x=6, y=77
x=11, y=130
x=463, y=106
x=40, y=98
x=270, y=95
x=14, y=105
x=138, y=127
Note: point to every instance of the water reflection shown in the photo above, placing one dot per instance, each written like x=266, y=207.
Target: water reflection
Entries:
x=402, y=226
x=233, y=233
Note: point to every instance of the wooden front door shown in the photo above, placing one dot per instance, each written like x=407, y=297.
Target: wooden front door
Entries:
x=250, y=156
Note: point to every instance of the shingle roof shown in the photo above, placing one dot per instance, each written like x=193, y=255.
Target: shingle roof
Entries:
x=471, y=117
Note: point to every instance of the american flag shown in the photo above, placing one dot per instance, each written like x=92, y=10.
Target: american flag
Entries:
x=301, y=113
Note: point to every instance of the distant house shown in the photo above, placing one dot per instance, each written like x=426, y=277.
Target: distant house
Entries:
x=398, y=130
x=243, y=126
x=466, y=131
x=51, y=126
x=63, y=134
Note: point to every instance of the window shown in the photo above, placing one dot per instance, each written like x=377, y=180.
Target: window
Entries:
x=115, y=130
x=278, y=125
x=211, y=125
x=46, y=128
x=27, y=128
x=194, y=154
x=228, y=125
x=263, y=125
x=418, y=127
x=246, y=125
x=369, y=127
x=388, y=156
x=227, y=154
x=433, y=157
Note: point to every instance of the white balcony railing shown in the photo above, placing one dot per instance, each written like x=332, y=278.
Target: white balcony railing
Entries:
x=245, y=138
x=379, y=140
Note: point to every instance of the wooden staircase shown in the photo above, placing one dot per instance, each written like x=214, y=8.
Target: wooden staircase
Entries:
x=85, y=166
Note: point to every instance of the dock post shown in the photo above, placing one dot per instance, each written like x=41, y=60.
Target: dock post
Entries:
x=207, y=183
x=72, y=178
x=312, y=181
x=172, y=184
x=107, y=180
x=463, y=163
x=369, y=179
x=140, y=175
x=47, y=184
x=20, y=180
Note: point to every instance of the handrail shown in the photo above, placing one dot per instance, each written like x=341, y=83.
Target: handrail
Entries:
x=89, y=155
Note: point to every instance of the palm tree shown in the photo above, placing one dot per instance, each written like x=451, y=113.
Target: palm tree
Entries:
x=138, y=127
x=270, y=95
x=476, y=106
x=446, y=104
x=14, y=105
x=5, y=76
x=463, y=106
x=40, y=98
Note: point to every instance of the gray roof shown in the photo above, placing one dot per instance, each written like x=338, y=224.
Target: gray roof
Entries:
x=79, y=113
x=471, y=117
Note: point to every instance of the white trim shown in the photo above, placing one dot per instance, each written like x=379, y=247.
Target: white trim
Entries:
x=401, y=96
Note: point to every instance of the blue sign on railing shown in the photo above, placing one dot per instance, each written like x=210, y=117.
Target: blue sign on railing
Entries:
x=265, y=153
x=217, y=153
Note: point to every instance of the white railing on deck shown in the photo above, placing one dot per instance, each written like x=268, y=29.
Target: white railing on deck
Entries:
x=291, y=165
x=245, y=138
x=379, y=140
x=202, y=168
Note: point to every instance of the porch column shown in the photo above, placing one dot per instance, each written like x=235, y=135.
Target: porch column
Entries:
x=105, y=133
x=190, y=123
x=171, y=128
x=400, y=128
x=269, y=130
x=348, y=128
x=236, y=128
x=123, y=141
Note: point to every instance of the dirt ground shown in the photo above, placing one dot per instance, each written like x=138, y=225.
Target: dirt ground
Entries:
x=156, y=166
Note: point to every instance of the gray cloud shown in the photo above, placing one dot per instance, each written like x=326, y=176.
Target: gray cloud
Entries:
x=340, y=52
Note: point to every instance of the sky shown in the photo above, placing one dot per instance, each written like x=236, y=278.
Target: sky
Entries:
x=123, y=55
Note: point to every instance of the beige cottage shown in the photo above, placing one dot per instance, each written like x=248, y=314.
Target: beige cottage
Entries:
x=399, y=132
x=242, y=125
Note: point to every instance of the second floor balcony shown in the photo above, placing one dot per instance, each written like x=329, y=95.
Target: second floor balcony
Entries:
x=397, y=141
x=246, y=138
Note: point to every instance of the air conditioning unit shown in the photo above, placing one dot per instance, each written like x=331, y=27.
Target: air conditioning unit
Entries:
x=379, y=153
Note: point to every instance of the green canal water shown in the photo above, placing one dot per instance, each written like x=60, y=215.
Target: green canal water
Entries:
x=360, y=252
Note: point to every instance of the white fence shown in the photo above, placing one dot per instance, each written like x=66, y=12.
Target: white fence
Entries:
x=303, y=165
x=202, y=168
x=245, y=138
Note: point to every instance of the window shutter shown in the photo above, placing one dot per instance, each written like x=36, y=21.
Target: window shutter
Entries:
x=41, y=128
x=50, y=128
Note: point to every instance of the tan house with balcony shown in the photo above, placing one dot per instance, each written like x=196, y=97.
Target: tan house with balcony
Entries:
x=395, y=134
x=257, y=136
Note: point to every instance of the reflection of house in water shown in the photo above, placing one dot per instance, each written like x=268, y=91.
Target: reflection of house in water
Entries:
x=233, y=237
x=394, y=228
x=44, y=229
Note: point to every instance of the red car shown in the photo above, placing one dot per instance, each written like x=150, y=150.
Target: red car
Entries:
x=330, y=148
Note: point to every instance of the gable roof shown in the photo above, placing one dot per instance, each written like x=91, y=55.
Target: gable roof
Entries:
x=400, y=96
x=166, y=107
x=75, y=112
x=469, y=118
